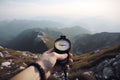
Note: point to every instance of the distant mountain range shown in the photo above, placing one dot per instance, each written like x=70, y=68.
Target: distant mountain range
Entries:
x=34, y=39
x=74, y=31
x=11, y=29
x=95, y=42
x=15, y=34
x=22, y=35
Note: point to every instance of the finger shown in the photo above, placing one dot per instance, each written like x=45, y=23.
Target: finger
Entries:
x=61, y=56
x=70, y=61
x=70, y=55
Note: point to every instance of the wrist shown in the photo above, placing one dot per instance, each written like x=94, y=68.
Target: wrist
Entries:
x=47, y=71
x=40, y=70
x=43, y=66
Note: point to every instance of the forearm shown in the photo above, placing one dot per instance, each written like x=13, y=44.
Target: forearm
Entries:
x=47, y=64
x=31, y=73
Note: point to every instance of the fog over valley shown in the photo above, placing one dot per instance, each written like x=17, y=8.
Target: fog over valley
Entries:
x=95, y=15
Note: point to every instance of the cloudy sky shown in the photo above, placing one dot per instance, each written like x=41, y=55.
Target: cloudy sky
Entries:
x=72, y=9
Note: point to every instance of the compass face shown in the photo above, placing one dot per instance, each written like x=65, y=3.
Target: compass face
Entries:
x=62, y=45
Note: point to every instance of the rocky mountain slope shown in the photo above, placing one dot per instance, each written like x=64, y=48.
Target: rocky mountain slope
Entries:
x=12, y=62
x=11, y=29
x=95, y=42
x=34, y=40
x=101, y=65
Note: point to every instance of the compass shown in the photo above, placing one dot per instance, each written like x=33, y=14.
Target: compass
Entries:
x=62, y=45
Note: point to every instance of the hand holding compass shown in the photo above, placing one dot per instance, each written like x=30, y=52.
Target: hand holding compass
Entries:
x=63, y=45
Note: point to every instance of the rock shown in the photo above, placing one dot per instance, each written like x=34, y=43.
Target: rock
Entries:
x=86, y=73
x=21, y=67
x=18, y=51
x=1, y=54
x=76, y=79
x=118, y=56
x=100, y=67
x=105, y=77
x=24, y=64
x=114, y=64
x=1, y=67
x=10, y=60
x=5, y=52
x=24, y=54
x=108, y=72
x=6, y=64
x=35, y=56
x=107, y=69
x=112, y=60
x=1, y=47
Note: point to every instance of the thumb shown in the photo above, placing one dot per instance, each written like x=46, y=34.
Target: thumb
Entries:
x=61, y=56
x=50, y=50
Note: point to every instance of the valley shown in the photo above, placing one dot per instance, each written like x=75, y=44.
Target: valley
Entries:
x=96, y=56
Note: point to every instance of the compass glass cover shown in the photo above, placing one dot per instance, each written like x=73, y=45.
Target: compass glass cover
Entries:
x=62, y=45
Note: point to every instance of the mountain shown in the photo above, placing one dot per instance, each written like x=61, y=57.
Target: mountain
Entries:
x=101, y=65
x=12, y=62
x=11, y=29
x=34, y=40
x=74, y=31
x=89, y=43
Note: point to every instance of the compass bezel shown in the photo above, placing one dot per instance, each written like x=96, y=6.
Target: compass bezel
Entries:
x=63, y=38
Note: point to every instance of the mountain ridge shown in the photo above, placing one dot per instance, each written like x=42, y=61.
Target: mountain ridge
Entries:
x=95, y=42
x=11, y=29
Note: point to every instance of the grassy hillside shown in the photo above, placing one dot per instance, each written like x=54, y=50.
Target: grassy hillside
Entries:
x=15, y=62
x=88, y=60
x=19, y=60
